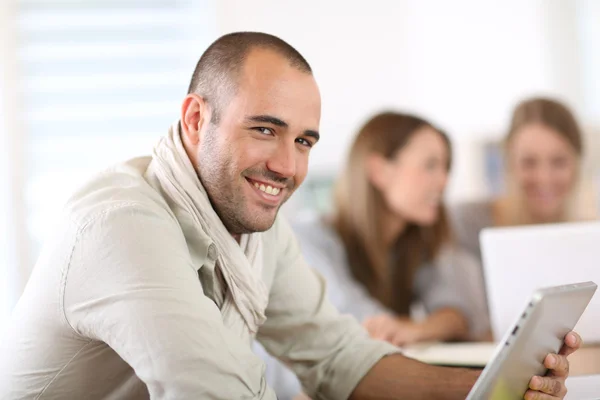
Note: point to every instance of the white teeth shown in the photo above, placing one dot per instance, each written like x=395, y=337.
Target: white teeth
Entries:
x=267, y=189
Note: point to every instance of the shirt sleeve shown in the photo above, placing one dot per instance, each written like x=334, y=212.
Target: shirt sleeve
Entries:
x=455, y=280
x=436, y=289
x=466, y=273
x=131, y=283
x=329, y=352
x=467, y=220
x=326, y=255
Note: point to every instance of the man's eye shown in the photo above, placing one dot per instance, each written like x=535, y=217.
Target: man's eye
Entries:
x=304, y=142
x=264, y=131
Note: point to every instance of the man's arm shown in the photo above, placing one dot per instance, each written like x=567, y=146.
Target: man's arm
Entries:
x=329, y=352
x=398, y=377
x=132, y=284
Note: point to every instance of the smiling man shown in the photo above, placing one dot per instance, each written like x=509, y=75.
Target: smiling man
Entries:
x=165, y=268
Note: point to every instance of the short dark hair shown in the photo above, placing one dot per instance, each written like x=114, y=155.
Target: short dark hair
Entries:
x=217, y=71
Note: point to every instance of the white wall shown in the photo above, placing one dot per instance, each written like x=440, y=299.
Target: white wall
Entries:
x=463, y=64
x=13, y=237
x=6, y=255
x=40, y=164
x=588, y=14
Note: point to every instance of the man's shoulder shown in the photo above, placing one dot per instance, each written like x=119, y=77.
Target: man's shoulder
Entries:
x=120, y=188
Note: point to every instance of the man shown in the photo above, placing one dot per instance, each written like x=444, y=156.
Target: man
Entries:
x=166, y=267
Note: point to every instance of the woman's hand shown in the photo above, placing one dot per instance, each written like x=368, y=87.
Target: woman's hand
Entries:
x=396, y=330
x=441, y=325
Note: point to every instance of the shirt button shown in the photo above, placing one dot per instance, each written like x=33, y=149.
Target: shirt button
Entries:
x=212, y=252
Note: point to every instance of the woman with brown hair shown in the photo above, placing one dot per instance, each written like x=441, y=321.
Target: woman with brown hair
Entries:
x=387, y=246
x=392, y=226
x=543, y=154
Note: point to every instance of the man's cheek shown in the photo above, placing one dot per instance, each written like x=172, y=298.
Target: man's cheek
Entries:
x=301, y=170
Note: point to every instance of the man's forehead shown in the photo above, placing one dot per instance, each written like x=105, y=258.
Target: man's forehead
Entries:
x=261, y=61
x=270, y=85
x=270, y=70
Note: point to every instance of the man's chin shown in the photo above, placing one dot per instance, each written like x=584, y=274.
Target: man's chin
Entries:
x=258, y=221
x=263, y=227
x=264, y=224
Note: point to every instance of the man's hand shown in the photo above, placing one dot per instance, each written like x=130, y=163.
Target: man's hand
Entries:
x=395, y=377
x=552, y=386
x=397, y=331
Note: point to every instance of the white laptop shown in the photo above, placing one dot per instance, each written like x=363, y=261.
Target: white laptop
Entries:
x=519, y=260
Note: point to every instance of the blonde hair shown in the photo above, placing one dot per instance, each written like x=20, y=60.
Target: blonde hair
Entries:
x=558, y=117
x=386, y=273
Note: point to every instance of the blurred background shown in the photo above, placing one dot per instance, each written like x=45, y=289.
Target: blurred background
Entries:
x=87, y=83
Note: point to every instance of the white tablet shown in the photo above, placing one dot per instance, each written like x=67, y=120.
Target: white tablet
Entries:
x=538, y=331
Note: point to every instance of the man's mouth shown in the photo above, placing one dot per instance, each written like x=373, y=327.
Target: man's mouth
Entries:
x=268, y=191
x=265, y=187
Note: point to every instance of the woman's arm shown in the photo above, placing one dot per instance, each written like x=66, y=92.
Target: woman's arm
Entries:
x=445, y=324
x=442, y=325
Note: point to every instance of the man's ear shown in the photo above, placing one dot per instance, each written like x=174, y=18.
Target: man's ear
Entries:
x=377, y=170
x=195, y=116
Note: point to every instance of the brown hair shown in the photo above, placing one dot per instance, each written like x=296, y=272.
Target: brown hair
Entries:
x=551, y=114
x=386, y=273
x=558, y=117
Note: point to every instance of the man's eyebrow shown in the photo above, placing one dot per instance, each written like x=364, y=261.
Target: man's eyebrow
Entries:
x=268, y=119
x=313, y=134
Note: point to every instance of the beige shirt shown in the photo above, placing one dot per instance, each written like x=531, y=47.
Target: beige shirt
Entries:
x=453, y=279
x=124, y=303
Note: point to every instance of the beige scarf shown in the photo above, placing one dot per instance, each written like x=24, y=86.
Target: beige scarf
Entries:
x=240, y=264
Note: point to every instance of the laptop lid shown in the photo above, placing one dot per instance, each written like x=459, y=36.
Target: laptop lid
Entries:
x=519, y=260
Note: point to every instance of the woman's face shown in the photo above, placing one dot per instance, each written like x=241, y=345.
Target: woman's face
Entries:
x=413, y=182
x=544, y=167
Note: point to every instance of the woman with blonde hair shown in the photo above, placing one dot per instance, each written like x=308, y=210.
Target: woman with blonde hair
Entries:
x=543, y=157
x=387, y=246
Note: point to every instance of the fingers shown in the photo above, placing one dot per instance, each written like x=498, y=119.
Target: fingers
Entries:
x=302, y=396
x=558, y=365
x=399, y=339
x=371, y=326
x=551, y=386
x=533, y=395
x=572, y=343
x=367, y=324
x=378, y=327
x=391, y=329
